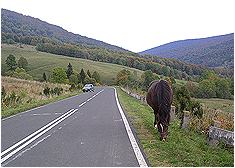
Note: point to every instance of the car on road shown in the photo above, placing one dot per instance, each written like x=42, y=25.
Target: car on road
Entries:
x=88, y=88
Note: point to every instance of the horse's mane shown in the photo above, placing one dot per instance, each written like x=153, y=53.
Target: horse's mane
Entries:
x=163, y=93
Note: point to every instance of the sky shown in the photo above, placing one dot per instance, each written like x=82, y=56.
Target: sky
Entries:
x=135, y=25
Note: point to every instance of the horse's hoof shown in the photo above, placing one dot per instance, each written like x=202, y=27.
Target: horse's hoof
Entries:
x=155, y=126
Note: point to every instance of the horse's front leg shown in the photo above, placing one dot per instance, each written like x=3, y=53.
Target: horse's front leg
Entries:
x=155, y=119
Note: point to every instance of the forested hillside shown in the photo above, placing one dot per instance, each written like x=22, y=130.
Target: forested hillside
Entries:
x=20, y=28
x=215, y=51
x=17, y=28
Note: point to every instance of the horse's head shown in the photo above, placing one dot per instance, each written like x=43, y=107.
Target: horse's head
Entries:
x=163, y=130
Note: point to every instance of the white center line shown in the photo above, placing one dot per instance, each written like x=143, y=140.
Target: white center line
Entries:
x=29, y=139
x=30, y=136
x=37, y=136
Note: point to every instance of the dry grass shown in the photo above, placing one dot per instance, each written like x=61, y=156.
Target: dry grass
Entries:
x=29, y=89
x=28, y=94
x=211, y=115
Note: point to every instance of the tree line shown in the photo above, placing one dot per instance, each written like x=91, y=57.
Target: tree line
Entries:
x=209, y=86
x=162, y=66
x=68, y=76
x=58, y=74
x=104, y=55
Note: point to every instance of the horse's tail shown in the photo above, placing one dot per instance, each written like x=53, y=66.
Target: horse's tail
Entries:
x=164, y=98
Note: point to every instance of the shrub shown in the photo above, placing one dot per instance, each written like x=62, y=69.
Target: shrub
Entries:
x=58, y=91
x=46, y=91
x=11, y=100
x=196, y=109
x=59, y=75
x=80, y=86
x=209, y=115
x=72, y=87
x=3, y=92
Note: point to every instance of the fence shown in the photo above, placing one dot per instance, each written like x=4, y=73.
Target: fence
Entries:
x=215, y=135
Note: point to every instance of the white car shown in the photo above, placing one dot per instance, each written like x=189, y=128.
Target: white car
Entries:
x=88, y=87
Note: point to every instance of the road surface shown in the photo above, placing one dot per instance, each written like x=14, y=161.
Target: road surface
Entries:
x=89, y=130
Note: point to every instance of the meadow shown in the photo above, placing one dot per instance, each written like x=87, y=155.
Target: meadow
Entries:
x=182, y=148
x=219, y=104
x=40, y=62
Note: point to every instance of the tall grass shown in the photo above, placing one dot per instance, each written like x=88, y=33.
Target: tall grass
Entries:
x=25, y=94
x=209, y=116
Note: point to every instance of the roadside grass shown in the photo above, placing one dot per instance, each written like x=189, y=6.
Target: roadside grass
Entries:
x=30, y=94
x=182, y=148
x=219, y=104
x=6, y=112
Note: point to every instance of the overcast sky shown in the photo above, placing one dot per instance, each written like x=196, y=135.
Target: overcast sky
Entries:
x=135, y=25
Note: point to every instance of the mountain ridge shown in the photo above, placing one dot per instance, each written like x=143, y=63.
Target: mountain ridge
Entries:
x=19, y=24
x=215, y=51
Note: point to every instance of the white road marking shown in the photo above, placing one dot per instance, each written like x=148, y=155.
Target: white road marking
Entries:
x=82, y=104
x=41, y=114
x=118, y=120
x=35, y=137
x=16, y=147
x=89, y=99
x=58, y=113
x=37, y=108
x=137, y=151
x=30, y=136
x=28, y=149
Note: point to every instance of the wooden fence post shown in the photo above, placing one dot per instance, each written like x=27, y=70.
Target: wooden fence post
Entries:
x=186, y=119
x=172, y=113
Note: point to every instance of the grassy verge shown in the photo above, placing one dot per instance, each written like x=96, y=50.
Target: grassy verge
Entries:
x=183, y=148
x=6, y=112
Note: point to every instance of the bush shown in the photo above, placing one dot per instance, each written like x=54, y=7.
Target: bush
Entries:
x=59, y=75
x=50, y=91
x=209, y=115
x=196, y=109
x=80, y=86
x=46, y=91
x=19, y=73
x=182, y=100
x=3, y=93
x=58, y=91
x=11, y=100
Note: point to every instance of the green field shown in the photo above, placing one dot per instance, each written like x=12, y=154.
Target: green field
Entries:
x=40, y=62
x=221, y=104
x=182, y=148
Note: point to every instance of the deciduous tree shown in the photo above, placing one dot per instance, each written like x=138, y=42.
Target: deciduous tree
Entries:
x=11, y=62
x=22, y=63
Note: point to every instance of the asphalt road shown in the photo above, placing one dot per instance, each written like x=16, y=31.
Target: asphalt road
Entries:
x=85, y=130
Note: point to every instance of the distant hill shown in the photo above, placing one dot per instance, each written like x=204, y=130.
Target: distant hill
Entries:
x=21, y=25
x=217, y=51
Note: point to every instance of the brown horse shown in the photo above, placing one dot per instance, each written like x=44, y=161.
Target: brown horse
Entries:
x=159, y=97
